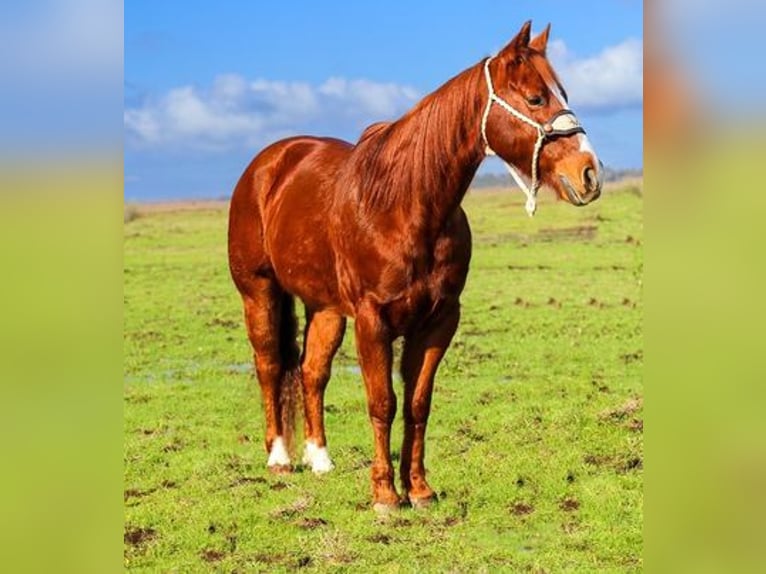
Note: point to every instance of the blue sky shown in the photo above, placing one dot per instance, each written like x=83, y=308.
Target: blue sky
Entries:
x=207, y=85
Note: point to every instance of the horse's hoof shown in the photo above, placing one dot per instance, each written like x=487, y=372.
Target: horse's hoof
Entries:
x=281, y=468
x=424, y=502
x=385, y=508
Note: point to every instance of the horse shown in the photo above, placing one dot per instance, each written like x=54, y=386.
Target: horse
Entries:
x=375, y=231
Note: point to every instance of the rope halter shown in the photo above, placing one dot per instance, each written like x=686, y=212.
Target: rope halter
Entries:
x=562, y=123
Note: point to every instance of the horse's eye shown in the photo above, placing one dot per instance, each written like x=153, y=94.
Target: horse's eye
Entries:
x=535, y=101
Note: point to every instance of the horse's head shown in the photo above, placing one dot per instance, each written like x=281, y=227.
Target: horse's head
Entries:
x=528, y=123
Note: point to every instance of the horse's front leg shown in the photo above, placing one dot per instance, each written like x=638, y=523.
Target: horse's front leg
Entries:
x=423, y=351
x=373, y=344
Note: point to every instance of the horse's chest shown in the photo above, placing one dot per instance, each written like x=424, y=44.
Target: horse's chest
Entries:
x=425, y=294
x=407, y=278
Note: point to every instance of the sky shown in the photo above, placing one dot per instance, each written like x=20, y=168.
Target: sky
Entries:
x=207, y=85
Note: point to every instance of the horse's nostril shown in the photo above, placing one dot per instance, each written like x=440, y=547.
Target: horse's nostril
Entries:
x=590, y=179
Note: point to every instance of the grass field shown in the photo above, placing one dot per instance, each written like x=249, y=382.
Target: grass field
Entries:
x=535, y=441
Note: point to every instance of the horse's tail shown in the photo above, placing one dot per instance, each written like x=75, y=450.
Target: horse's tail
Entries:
x=290, y=392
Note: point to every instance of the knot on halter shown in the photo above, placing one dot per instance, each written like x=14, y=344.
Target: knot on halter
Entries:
x=563, y=123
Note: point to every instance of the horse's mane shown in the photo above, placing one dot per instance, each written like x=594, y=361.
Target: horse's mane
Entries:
x=410, y=156
x=372, y=129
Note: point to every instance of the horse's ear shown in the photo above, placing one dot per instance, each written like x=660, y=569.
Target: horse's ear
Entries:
x=540, y=42
x=520, y=40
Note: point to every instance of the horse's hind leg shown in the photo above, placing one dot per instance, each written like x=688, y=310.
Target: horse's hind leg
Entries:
x=423, y=351
x=324, y=334
x=271, y=330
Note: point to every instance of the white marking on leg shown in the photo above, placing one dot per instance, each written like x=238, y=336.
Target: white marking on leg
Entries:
x=317, y=457
x=278, y=455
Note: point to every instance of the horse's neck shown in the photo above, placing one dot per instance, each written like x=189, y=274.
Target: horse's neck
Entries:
x=441, y=196
x=450, y=149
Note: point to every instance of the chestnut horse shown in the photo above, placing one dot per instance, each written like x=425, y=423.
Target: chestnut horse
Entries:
x=375, y=231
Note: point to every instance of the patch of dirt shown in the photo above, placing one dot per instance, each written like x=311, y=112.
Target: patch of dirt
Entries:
x=634, y=463
x=243, y=439
x=609, y=268
x=400, y=522
x=270, y=559
x=597, y=459
x=486, y=398
x=145, y=336
x=237, y=464
x=311, y=523
x=248, y=480
x=636, y=425
x=380, y=538
x=577, y=233
x=279, y=485
x=569, y=504
x=529, y=267
x=451, y=521
x=621, y=464
x=333, y=549
x=138, y=536
x=304, y=561
x=361, y=463
x=466, y=430
x=225, y=323
x=553, y=303
x=137, y=398
x=570, y=527
x=463, y=507
x=173, y=446
x=600, y=387
x=136, y=493
x=622, y=412
x=632, y=357
x=522, y=508
x=298, y=506
x=593, y=302
x=212, y=555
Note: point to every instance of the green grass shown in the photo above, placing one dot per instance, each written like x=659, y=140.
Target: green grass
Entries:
x=535, y=442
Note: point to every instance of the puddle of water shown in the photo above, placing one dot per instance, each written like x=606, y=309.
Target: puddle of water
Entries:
x=239, y=368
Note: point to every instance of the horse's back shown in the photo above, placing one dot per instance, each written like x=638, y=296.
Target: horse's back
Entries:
x=278, y=218
x=275, y=164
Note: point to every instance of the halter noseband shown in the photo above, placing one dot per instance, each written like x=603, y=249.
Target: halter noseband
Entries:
x=562, y=123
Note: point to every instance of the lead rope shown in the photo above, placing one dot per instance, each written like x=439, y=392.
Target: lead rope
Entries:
x=530, y=191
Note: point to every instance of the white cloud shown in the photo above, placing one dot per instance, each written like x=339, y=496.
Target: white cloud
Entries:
x=376, y=99
x=235, y=112
x=609, y=81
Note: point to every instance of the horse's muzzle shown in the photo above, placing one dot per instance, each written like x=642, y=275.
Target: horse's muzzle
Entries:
x=591, y=187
